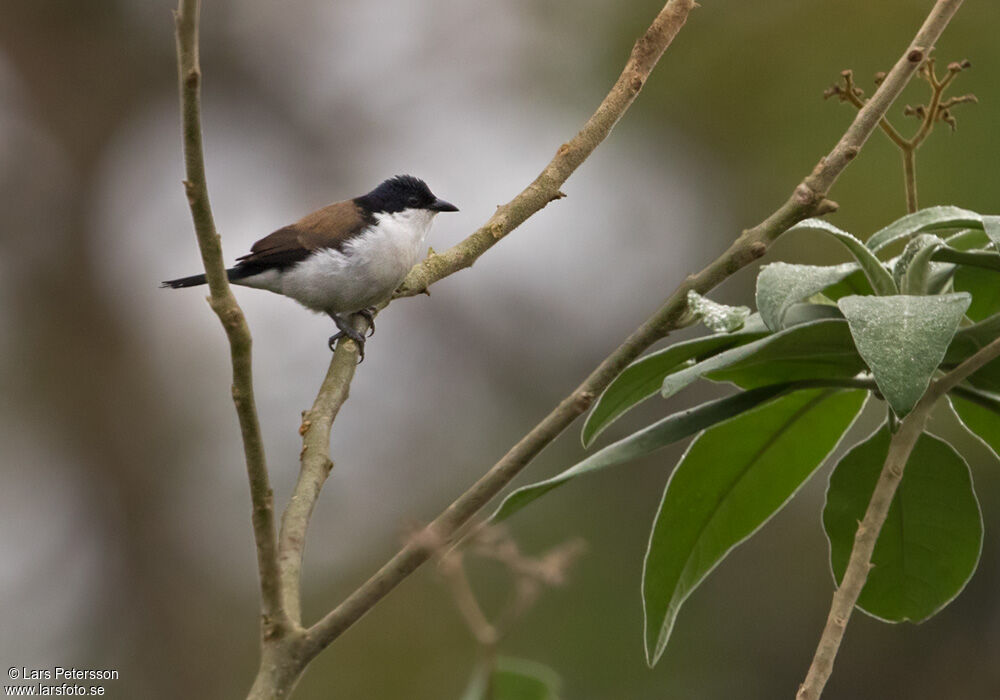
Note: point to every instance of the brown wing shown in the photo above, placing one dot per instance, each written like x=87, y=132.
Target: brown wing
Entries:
x=329, y=227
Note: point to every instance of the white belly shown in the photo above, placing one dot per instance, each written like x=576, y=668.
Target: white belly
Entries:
x=369, y=270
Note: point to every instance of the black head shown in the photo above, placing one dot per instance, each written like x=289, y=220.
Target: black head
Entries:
x=402, y=192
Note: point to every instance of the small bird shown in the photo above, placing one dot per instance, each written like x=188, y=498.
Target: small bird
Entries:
x=345, y=258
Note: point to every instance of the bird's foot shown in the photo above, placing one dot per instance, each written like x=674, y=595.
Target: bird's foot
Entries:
x=369, y=315
x=346, y=330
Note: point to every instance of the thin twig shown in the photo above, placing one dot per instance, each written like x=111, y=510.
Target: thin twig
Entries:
x=936, y=110
x=807, y=199
x=273, y=619
x=859, y=564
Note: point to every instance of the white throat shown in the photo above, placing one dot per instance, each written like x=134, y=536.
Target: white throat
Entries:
x=410, y=225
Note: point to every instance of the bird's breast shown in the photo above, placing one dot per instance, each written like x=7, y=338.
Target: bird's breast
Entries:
x=364, y=273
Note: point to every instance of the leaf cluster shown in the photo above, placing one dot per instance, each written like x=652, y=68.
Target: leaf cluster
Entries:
x=824, y=341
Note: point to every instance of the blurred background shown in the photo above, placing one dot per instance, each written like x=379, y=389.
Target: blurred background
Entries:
x=125, y=535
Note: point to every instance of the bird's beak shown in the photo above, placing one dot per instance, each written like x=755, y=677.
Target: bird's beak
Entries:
x=441, y=205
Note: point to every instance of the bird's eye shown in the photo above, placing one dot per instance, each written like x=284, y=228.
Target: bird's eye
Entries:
x=413, y=201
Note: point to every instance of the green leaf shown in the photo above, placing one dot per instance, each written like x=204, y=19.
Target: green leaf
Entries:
x=930, y=543
x=820, y=349
x=797, y=314
x=874, y=270
x=913, y=269
x=903, y=339
x=971, y=258
x=513, y=679
x=816, y=352
x=854, y=283
x=988, y=378
x=780, y=285
x=718, y=318
x=643, y=378
x=517, y=679
x=969, y=340
x=984, y=285
x=991, y=225
x=979, y=412
x=731, y=480
x=930, y=219
x=968, y=239
x=665, y=431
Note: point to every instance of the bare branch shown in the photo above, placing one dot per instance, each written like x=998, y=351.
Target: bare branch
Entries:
x=806, y=199
x=274, y=622
x=315, y=468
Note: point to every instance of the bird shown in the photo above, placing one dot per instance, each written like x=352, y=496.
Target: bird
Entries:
x=345, y=258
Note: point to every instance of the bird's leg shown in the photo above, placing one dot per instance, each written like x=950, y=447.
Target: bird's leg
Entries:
x=346, y=329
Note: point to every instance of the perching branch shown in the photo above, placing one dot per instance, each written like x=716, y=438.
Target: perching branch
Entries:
x=274, y=621
x=315, y=468
x=859, y=564
x=807, y=199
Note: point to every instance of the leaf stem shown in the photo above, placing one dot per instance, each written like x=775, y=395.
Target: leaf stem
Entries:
x=910, y=178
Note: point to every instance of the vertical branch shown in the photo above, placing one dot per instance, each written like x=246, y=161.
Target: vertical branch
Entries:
x=222, y=301
x=315, y=468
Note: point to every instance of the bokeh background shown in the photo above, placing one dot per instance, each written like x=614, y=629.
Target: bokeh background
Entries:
x=124, y=513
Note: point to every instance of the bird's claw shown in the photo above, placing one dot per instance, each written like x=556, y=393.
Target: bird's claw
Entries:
x=351, y=334
x=369, y=315
x=345, y=329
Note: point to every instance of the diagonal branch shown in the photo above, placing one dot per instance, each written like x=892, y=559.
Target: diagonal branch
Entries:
x=859, y=564
x=273, y=618
x=807, y=199
x=568, y=158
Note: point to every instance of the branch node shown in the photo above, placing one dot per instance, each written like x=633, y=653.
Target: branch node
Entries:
x=916, y=55
x=583, y=400
x=804, y=194
x=757, y=249
x=825, y=206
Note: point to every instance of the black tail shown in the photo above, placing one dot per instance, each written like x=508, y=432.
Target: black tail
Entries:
x=192, y=281
x=233, y=273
